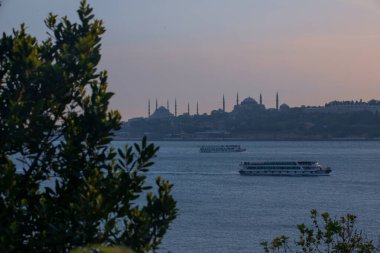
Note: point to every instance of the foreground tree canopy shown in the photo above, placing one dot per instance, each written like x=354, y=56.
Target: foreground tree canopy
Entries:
x=325, y=235
x=61, y=184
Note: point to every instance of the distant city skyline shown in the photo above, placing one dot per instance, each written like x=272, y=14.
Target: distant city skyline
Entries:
x=311, y=52
x=223, y=105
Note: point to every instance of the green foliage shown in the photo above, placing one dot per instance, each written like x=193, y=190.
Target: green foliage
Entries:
x=101, y=249
x=332, y=236
x=61, y=184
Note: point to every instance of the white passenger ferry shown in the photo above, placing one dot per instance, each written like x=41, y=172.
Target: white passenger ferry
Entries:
x=220, y=148
x=283, y=168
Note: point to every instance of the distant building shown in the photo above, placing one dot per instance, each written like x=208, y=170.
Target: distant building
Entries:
x=134, y=120
x=277, y=101
x=248, y=104
x=224, y=104
x=148, y=108
x=175, y=107
x=344, y=107
x=161, y=113
x=217, y=112
x=284, y=107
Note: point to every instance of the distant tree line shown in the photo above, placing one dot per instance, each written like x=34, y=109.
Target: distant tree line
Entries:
x=355, y=102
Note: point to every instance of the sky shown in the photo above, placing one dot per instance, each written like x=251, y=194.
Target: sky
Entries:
x=309, y=51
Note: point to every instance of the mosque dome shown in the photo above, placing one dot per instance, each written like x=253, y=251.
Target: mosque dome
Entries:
x=249, y=101
x=284, y=107
x=161, y=113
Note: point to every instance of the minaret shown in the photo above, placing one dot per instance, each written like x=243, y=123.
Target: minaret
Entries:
x=277, y=101
x=237, y=98
x=261, y=99
x=224, y=104
x=167, y=105
x=156, y=104
x=188, y=108
x=175, y=107
x=148, y=108
x=197, y=109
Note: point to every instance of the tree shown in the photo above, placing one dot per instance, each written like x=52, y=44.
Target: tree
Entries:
x=101, y=249
x=62, y=185
x=332, y=236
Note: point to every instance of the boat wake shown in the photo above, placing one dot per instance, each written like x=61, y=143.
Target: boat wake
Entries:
x=192, y=173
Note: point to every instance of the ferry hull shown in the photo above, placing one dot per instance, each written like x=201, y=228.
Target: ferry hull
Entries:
x=223, y=151
x=284, y=168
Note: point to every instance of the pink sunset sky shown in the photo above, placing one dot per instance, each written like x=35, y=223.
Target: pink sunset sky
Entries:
x=311, y=52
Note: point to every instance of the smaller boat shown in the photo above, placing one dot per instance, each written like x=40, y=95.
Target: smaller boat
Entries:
x=283, y=168
x=221, y=148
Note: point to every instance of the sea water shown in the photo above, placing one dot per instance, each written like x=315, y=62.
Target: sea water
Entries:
x=222, y=211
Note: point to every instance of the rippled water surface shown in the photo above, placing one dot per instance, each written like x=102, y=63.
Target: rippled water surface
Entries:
x=221, y=211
